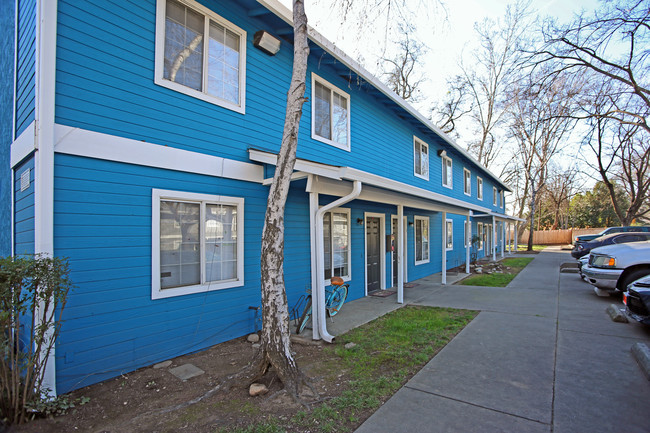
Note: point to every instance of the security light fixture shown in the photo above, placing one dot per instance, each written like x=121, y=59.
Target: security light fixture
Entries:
x=442, y=152
x=360, y=221
x=266, y=42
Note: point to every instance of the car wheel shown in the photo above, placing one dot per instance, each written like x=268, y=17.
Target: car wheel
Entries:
x=631, y=277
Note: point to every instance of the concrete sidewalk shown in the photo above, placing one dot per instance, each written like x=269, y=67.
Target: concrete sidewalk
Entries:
x=542, y=356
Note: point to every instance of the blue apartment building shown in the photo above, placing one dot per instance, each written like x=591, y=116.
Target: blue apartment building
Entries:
x=139, y=139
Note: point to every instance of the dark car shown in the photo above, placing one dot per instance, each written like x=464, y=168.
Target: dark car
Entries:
x=637, y=300
x=610, y=230
x=583, y=248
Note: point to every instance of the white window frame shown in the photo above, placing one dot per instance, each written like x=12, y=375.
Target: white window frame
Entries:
x=159, y=195
x=161, y=6
x=422, y=144
x=479, y=188
x=480, y=230
x=346, y=211
x=467, y=181
x=425, y=220
x=315, y=78
x=449, y=245
x=502, y=199
x=494, y=196
x=444, y=160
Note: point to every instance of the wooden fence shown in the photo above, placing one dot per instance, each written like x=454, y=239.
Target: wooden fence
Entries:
x=556, y=237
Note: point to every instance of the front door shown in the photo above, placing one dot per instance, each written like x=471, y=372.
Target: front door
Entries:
x=373, y=253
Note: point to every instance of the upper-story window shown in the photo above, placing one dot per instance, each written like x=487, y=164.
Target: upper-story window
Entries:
x=421, y=157
x=200, y=54
x=447, y=172
x=467, y=181
x=479, y=188
x=330, y=119
x=494, y=195
x=503, y=199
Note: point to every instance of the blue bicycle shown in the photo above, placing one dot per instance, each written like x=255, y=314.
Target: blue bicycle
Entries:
x=335, y=295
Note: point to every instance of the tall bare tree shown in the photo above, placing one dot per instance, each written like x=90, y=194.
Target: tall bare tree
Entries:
x=403, y=76
x=489, y=74
x=456, y=104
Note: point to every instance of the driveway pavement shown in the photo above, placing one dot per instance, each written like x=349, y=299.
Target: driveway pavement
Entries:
x=542, y=356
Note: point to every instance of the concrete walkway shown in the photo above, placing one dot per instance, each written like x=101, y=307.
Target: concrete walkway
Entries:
x=542, y=356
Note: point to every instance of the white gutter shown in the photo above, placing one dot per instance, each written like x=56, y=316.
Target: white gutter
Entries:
x=318, y=304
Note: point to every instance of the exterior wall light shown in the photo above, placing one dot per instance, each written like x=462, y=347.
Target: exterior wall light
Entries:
x=442, y=152
x=360, y=221
x=266, y=42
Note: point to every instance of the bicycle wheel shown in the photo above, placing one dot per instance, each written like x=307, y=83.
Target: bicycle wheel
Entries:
x=336, y=299
x=304, y=317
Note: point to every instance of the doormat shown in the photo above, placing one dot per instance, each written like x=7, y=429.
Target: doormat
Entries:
x=410, y=285
x=382, y=293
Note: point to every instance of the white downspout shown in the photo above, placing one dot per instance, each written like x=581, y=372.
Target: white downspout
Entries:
x=320, y=262
x=399, y=243
x=493, y=244
x=516, y=236
x=503, y=239
x=468, y=242
x=313, y=208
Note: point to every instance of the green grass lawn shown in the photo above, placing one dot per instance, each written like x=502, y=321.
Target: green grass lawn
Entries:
x=499, y=280
x=388, y=352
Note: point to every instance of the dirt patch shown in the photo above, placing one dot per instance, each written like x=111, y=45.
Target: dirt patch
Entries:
x=129, y=402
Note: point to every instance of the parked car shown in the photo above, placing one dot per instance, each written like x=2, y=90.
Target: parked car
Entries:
x=637, y=300
x=614, y=267
x=610, y=230
x=583, y=248
x=582, y=261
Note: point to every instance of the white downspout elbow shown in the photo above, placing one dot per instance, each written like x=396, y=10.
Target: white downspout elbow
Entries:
x=320, y=261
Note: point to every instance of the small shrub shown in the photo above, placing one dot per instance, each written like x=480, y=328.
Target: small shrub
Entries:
x=32, y=290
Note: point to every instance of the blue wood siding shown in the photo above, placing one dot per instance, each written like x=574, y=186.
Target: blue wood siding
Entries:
x=105, y=70
x=6, y=122
x=24, y=210
x=25, y=65
x=102, y=222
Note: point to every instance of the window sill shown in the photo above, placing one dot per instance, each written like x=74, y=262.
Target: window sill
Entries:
x=202, y=96
x=158, y=293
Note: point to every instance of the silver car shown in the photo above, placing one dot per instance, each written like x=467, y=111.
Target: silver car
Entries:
x=614, y=267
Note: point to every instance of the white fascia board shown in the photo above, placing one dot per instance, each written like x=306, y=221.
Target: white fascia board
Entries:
x=24, y=145
x=316, y=168
x=504, y=217
x=286, y=15
x=91, y=144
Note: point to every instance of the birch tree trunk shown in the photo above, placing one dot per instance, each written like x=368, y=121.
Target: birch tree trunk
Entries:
x=276, y=345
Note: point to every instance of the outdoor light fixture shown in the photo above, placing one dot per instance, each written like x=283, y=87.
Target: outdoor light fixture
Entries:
x=266, y=42
x=442, y=152
x=360, y=221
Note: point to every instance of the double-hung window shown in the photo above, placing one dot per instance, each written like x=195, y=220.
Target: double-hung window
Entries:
x=336, y=242
x=421, y=158
x=467, y=181
x=447, y=172
x=449, y=224
x=200, y=53
x=197, y=243
x=479, y=230
x=421, y=240
x=479, y=188
x=330, y=115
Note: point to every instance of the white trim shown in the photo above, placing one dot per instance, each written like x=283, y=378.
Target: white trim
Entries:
x=416, y=141
x=480, y=230
x=286, y=15
x=160, y=194
x=415, y=242
x=352, y=174
x=494, y=196
x=479, y=187
x=45, y=82
x=24, y=145
x=467, y=182
x=344, y=146
x=404, y=248
x=447, y=247
x=450, y=173
x=81, y=142
x=203, y=95
x=13, y=83
x=382, y=249
x=347, y=211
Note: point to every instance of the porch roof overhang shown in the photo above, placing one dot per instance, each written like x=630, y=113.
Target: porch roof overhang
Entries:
x=499, y=216
x=336, y=181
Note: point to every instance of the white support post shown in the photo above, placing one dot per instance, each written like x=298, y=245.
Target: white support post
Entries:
x=516, y=236
x=503, y=239
x=468, y=243
x=444, y=248
x=399, y=244
x=494, y=239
